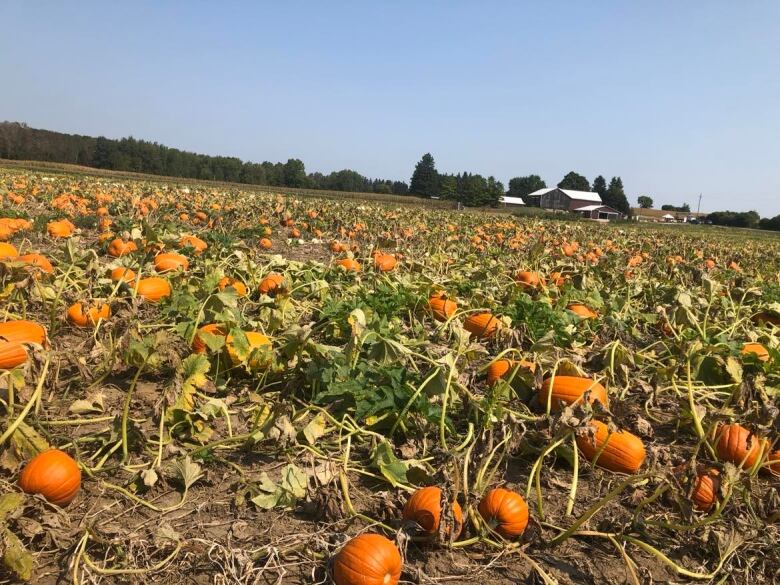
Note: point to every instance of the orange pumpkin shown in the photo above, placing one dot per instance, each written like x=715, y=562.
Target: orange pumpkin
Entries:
x=529, y=279
x=37, y=262
x=235, y=284
x=733, y=443
x=168, y=261
x=266, y=244
x=349, y=264
x=124, y=274
x=119, y=247
x=569, y=390
x=424, y=507
x=706, y=488
x=757, y=350
x=8, y=251
x=193, y=242
x=482, y=325
x=257, y=357
x=78, y=317
x=500, y=368
x=442, y=308
x=153, y=289
x=385, y=262
x=54, y=475
x=582, y=311
x=624, y=452
x=60, y=229
x=272, y=284
x=22, y=331
x=368, y=559
x=198, y=344
x=505, y=512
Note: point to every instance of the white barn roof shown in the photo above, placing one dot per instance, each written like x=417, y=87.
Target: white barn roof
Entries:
x=512, y=200
x=578, y=195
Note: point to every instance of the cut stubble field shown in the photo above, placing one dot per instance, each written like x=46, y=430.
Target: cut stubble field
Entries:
x=246, y=384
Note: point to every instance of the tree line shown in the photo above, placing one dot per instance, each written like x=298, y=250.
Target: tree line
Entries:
x=20, y=142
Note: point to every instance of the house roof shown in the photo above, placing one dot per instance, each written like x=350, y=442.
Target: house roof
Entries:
x=578, y=195
x=605, y=208
x=659, y=213
x=668, y=216
x=512, y=200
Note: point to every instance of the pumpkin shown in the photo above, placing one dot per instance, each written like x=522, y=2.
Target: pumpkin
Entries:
x=385, y=262
x=337, y=247
x=22, y=331
x=505, y=512
x=569, y=390
x=266, y=244
x=706, y=488
x=193, y=242
x=756, y=349
x=500, y=368
x=198, y=344
x=257, y=359
x=153, y=289
x=732, y=445
x=442, y=308
x=168, y=261
x=482, y=325
x=54, y=475
x=12, y=355
x=60, y=229
x=37, y=261
x=624, y=452
x=349, y=264
x=368, y=559
x=8, y=251
x=424, y=507
x=123, y=274
x=119, y=247
x=78, y=317
x=582, y=311
x=272, y=284
x=528, y=279
x=235, y=284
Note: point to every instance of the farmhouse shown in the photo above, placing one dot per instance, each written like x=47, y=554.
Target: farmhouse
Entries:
x=585, y=203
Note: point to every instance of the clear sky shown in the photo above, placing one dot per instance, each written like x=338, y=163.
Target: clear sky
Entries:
x=676, y=97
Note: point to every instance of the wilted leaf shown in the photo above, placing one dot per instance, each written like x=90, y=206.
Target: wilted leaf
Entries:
x=187, y=471
x=16, y=558
x=315, y=429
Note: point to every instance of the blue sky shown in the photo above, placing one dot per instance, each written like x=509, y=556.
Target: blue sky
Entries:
x=676, y=97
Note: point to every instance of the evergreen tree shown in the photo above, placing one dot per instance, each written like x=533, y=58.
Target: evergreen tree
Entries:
x=615, y=197
x=448, y=187
x=600, y=186
x=575, y=182
x=425, y=179
x=522, y=186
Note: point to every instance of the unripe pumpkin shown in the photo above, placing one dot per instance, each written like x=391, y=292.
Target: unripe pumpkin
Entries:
x=482, y=325
x=54, y=475
x=732, y=445
x=505, y=512
x=570, y=390
x=424, y=507
x=624, y=451
x=368, y=559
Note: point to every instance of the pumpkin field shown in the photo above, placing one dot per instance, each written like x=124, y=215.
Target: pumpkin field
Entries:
x=205, y=384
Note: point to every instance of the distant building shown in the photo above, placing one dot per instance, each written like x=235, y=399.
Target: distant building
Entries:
x=559, y=199
x=511, y=201
x=662, y=216
x=585, y=203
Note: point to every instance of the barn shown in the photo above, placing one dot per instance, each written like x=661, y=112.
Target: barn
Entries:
x=556, y=198
x=507, y=201
x=597, y=211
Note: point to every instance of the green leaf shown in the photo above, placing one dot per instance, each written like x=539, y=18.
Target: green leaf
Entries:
x=16, y=558
x=389, y=465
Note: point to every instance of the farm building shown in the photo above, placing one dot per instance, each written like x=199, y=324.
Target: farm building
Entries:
x=562, y=199
x=662, y=216
x=511, y=201
x=598, y=211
